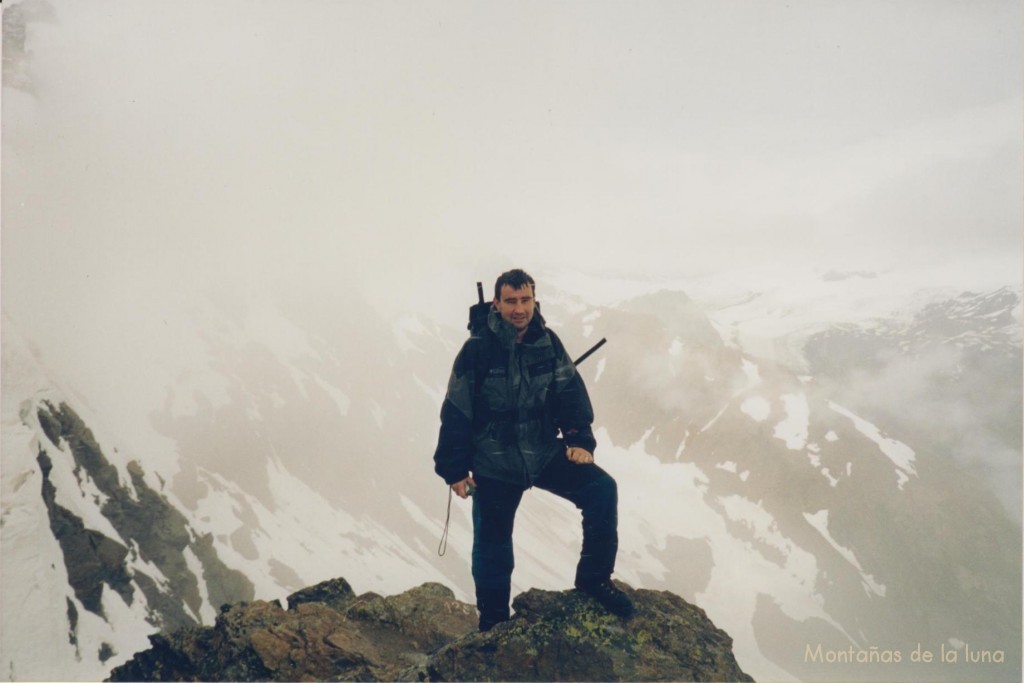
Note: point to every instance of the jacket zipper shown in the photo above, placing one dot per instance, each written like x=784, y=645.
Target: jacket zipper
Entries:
x=515, y=359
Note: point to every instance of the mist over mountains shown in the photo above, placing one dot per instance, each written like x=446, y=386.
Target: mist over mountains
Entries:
x=811, y=481
x=239, y=241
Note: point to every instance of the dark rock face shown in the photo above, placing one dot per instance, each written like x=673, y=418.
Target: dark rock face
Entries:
x=335, y=593
x=329, y=633
x=158, y=531
x=97, y=559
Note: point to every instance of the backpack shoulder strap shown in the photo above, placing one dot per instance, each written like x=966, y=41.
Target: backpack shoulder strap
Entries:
x=557, y=347
x=481, y=353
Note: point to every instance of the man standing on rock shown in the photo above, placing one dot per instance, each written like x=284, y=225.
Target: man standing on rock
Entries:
x=512, y=390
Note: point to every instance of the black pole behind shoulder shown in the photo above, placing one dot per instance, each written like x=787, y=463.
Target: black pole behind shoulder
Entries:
x=593, y=348
x=479, y=311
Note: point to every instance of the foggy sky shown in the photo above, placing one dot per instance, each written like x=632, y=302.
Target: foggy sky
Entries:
x=386, y=145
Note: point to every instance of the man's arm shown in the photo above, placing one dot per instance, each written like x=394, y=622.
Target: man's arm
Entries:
x=454, y=454
x=572, y=410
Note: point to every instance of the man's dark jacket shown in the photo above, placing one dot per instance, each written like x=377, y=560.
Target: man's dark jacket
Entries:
x=506, y=403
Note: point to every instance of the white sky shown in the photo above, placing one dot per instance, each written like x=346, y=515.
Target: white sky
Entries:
x=165, y=145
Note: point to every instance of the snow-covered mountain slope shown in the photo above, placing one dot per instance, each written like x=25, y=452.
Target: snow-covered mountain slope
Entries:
x=72, y=594
x=795, y=471
x=294, y=434
x=99, y=550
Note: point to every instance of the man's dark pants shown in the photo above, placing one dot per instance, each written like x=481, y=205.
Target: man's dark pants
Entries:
x=588, y=487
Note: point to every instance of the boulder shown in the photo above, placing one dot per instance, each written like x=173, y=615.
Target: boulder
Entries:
x=567, y=636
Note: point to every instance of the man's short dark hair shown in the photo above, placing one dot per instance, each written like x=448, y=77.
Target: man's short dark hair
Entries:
x=516, y=278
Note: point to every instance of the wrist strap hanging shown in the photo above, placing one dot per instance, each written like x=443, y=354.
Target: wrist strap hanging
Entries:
x=442, y=547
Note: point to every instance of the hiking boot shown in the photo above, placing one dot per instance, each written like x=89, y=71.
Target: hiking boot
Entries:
x=492, y=603
x=610, y=597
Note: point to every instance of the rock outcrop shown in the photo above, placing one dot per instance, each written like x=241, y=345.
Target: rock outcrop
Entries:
x=326, y=633
x=567, y=636
x=156, y=532
x=329, y=633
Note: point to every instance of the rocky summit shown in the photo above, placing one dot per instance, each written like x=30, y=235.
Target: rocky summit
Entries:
x=567, y=636
x=328, y=632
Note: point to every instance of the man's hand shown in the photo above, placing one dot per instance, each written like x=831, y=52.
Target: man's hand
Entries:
x=579, y=455
x=461, y=488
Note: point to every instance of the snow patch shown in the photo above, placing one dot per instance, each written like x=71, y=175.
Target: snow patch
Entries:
x=600, y=369
x=373, y=557
x=752, y=372
x=136, y=563
x=682, y=444
x=793, y=429
x=81, y=498
x=730, y=466
x=899, y=453
x=461, y=526
x=340, y=398
x=207, y=615
x=714, y=419
x=588, y=322
x=760, y=521
x=757, y=408
x=832, y=481
x=819, y=521
x=658, y=501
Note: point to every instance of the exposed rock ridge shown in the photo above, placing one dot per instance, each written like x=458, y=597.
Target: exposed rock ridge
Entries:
x=154, y=529
x=329, y=633
x=97, y=559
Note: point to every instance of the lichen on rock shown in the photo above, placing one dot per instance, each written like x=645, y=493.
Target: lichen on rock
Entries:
x=566, y=635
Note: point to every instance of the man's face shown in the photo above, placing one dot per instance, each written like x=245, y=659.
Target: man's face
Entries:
x=516, y=306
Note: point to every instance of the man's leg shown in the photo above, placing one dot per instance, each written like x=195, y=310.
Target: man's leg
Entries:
x=494, y=512
x=595, y=493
